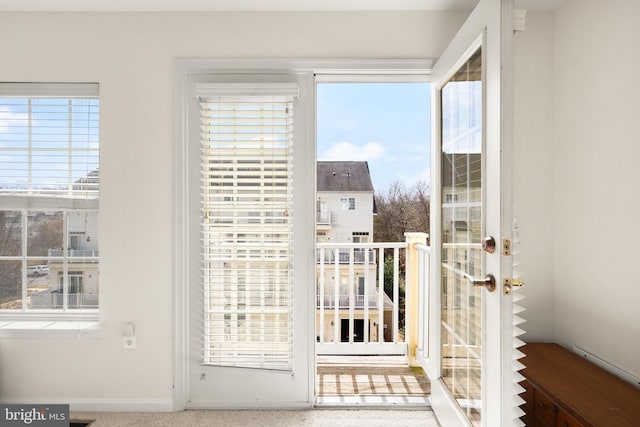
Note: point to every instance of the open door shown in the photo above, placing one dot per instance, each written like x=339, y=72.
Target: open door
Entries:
x=471, y=363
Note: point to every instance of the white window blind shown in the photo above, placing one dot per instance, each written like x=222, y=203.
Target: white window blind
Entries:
x=247, y=164
x=49, y=139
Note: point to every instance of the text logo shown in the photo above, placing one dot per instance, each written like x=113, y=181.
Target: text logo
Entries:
x=34, y=415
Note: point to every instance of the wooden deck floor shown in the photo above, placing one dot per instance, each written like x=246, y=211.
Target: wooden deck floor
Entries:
x=370, y=379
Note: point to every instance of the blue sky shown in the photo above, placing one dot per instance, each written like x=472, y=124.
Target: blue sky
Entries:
x=386, y=124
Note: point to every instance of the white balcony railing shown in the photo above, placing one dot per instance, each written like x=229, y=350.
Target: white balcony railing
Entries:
x=352, y=273
x=344, y=255
x=79, y=253
x=344, y=302
x=54, y=300
x=424, y=302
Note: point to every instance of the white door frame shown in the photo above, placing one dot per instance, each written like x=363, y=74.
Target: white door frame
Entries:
x=491, y=22
x=184, y=71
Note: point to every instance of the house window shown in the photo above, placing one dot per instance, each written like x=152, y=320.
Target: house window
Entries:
x=348, y=203
x=360, y=237
x=49, y=192
x=246, y=200
x=449, y=198
x=75, y=282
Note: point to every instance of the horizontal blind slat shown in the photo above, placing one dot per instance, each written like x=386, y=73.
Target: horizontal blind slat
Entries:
x=246, y=202
x=50, y=139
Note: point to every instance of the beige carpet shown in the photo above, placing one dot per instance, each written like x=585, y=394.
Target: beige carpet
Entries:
x=319, y=417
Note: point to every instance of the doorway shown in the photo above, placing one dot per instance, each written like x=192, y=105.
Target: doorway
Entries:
x=372, y=173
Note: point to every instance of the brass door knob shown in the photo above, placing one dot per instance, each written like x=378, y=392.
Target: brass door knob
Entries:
x=488, y=282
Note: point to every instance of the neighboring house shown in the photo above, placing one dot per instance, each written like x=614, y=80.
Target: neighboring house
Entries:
x=345, y=208
x=461, y=189
x=82, y=265
x=461, y=237
x=345, y=204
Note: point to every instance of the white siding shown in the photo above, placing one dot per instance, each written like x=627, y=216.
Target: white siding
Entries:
x=87, y=224
x=345, y=222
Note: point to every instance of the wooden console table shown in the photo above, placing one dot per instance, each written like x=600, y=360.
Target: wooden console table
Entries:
x=565, y=390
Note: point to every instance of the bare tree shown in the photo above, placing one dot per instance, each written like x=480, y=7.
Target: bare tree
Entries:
x=10, y=245
x=47, y=234
x=401, y=210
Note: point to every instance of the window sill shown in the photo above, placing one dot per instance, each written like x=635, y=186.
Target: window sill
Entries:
x=40, y=325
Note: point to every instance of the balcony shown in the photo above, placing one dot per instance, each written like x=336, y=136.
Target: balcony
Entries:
x=73, y=253
x=344, y=302
x=343, y=255
x=323, y=220
x=54, y=300
x=369, y=341
x=359, y=309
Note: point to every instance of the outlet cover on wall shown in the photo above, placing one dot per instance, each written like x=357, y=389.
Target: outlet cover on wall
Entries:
x=129, y=343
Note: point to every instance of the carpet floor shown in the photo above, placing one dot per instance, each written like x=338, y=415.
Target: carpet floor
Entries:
x=272, y=418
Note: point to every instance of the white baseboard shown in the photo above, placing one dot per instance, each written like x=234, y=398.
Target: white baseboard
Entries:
x=100, y=405
x=234, y=405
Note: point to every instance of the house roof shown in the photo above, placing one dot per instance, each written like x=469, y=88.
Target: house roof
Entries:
x=456, y=167
x=343, y=176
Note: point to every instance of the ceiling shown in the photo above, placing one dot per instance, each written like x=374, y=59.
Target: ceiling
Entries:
x=256, y=5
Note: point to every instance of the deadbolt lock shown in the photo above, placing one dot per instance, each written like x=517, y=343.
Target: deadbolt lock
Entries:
x=489, y=244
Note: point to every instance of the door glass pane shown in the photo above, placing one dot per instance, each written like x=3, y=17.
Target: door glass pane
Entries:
x=461, y=235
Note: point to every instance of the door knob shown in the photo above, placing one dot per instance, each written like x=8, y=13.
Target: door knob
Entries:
x=488, y=282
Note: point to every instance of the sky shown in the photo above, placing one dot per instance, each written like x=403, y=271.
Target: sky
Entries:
x=386, y=124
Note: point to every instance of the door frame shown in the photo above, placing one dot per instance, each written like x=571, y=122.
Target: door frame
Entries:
x=183, y=72
x=491, y=25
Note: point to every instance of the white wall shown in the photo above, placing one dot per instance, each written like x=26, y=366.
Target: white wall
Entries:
x=596, y=195
x=131, y=55
x=577, y=100
x=533, y=172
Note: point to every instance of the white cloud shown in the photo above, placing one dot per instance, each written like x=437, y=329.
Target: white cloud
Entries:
x=350, y=152
x=9, y=117
x=422, y=176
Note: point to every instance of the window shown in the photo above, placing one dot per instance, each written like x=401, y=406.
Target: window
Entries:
x=246, y=201
x=360, y=237
x=450, y=198
x=49, y=192
x=348, y=203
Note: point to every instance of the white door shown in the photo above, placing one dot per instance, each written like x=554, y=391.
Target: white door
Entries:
x=249, y=311
x=471, y=359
